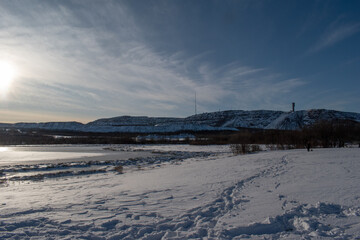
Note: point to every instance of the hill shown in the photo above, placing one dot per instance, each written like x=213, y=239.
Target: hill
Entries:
x=214, y=121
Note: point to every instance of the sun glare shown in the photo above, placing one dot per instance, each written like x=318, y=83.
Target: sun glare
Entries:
x=4, y=149
x=7, y=74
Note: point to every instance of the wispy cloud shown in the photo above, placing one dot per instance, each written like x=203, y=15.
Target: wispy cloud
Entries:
x=244, y=87
x=334, y=34
x=339, y=100
x=71, y=62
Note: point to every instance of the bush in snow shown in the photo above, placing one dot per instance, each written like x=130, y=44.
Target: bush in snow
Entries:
x=244, y=148
x=119, y=169
x=255, y=148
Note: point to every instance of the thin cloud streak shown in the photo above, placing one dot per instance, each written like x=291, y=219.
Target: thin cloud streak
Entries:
x=71, y=63
x=335, y=35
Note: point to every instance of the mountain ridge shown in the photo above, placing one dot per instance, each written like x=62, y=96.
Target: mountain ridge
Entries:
x=230, y=120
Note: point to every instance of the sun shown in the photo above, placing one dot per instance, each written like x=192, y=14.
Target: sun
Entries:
x=7, y=75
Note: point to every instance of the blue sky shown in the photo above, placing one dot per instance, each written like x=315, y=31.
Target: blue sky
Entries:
x=83, y=60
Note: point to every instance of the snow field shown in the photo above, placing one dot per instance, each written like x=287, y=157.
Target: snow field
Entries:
x=269, y=195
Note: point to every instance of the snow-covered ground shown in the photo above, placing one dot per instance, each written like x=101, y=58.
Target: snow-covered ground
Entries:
x=187, y=192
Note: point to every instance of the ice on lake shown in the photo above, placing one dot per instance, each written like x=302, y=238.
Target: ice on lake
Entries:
x=63, y=153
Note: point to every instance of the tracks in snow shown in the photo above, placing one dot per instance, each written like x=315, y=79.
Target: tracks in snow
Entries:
x=202, y=222
x=197, y=223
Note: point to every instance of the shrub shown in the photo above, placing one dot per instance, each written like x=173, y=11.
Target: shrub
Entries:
x=244, y=148
x=255, y=148
x=119, y=169
x=271, y=147
x=3, y=181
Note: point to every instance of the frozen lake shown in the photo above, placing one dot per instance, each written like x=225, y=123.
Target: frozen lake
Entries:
x=24, y=155
x=39, y=162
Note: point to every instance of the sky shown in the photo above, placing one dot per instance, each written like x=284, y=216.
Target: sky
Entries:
x=83, y=60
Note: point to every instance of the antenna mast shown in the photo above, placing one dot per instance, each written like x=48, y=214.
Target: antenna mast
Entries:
x=195, y=104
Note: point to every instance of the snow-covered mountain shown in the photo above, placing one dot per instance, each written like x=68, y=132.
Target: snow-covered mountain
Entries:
x=134, y=121
x=263, y=119
x=73, y=126
x=214, y=121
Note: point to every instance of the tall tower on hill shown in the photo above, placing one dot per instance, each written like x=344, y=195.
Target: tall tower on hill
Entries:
x=195, y=105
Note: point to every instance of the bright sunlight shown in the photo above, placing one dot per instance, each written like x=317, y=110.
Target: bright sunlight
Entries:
x=7, y=74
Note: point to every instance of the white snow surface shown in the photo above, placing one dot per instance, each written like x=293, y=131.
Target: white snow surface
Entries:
x=213, y=121
x=192, y=192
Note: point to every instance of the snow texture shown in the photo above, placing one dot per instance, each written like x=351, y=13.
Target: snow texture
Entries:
x=215, y=121
x=186, y=192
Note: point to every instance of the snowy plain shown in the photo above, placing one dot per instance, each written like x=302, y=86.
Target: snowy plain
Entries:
x=180, y=192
